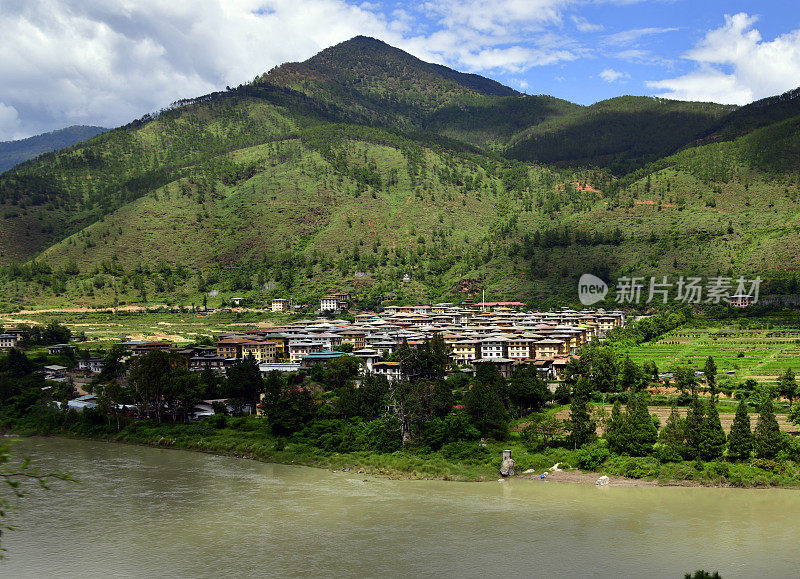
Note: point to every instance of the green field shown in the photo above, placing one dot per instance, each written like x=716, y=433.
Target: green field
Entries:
x=103, y=328
x=753, y=348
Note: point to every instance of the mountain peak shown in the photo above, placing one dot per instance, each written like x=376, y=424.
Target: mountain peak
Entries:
x=370, y=64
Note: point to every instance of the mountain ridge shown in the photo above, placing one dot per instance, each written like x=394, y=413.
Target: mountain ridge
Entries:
x=21, y=150
x=308, y=180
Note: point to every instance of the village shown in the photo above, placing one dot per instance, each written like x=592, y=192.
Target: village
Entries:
x=500, y=334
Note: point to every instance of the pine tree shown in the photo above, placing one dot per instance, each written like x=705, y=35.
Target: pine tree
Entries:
x=740, y=440
x=615, y=432
x=673, y=437
x=642, y=431
x=710, y=372
x=767, y=436
x=582, y=428
x=694, y=429
x=712, y=444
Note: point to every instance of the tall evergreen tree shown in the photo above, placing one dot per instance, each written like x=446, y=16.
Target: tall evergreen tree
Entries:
x=787, y=384
x=740, y=440
x=712, y=444
x=631, y=376
x=642, y=432
x=582, y=428
x=710, y=372
x=695, y=420
x=616, y=434
x=767, y=436
x=673, y=436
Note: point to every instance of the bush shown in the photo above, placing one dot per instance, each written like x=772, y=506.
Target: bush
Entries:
x=219, y=421
x=591, y=456
x=718, y=469
x=633, y=466
x=667, y=453
x=770, y=465
x=466, y=451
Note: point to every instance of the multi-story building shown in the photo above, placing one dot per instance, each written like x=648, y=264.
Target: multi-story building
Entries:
x=281, y=305
x=334, y=303
x=262, y=351
x=494, y=347
x=8, y=341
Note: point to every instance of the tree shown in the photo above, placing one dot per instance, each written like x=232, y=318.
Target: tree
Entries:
x=787, y=385
x=631, y=376
x=672, y=437
x=616, y=429
x=604, y=370
x=642, y=432
x=710, y=372
x=341, y=370
x=581, y=426
x=695, y=422
x=767, y=435
x=543, y=428
x=486, y=411
x=111, y=396
x=113, y=366
x=527, y=392
x=740, y=440
x=245, y=382
x=685, y=379
x=148, y=376
x=712, y=443
x=183, y=390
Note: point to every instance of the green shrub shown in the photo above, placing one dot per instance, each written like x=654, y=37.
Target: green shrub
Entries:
x=633, y=466
x=591, y=456
x=770, y=465
x=718, y=469
x=466, y=451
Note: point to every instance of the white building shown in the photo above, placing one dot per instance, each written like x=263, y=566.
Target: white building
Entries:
x=8, y=341
x=334, y=303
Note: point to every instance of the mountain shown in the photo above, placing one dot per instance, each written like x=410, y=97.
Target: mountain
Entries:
x=622, y=133
x=13, y=152
x=365, y=169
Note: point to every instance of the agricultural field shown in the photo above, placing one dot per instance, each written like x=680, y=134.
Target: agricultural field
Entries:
x=104, y=328
x=751, y=348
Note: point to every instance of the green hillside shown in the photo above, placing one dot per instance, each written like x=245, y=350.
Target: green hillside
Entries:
x=621, y=133
x=365, y=169
x=13, y=152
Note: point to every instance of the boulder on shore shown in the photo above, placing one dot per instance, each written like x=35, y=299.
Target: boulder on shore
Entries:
x=603, y=481
x=507, y=468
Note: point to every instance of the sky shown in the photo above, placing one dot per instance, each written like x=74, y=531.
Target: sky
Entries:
x=107, y=62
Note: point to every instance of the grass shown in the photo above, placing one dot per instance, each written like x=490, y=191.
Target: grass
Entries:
x=248, y=437
x=752, y=348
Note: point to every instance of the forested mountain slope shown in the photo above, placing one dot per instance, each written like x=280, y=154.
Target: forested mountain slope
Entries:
x=13, y=152
x=365, y=169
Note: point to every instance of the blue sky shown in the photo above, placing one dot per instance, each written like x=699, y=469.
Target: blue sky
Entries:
x=104, y=62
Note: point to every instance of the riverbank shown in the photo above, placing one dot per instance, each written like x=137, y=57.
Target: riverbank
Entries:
x=245, y=437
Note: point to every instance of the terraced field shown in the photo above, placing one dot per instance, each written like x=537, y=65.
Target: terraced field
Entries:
x=759, y=349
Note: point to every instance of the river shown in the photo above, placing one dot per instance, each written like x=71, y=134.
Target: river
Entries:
x=140, y=511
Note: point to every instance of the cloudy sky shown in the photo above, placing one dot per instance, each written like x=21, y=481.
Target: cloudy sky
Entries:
x=106, y=62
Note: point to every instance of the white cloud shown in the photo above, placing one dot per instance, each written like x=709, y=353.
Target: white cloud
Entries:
x=630, y=36
x=735, y=65
x=100, y=62
x=584, y=25
x=639, y=56
x=611, y=75
x=9, y=121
